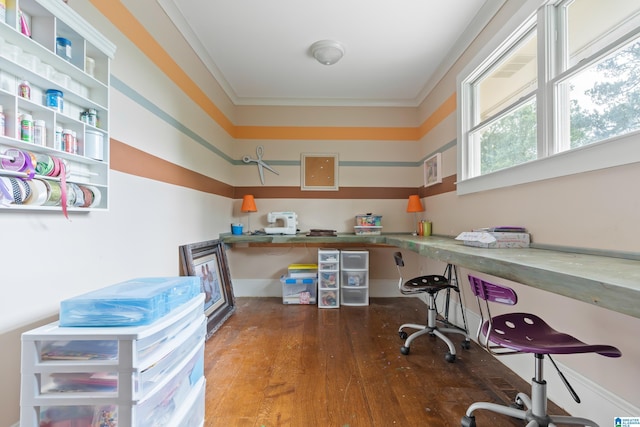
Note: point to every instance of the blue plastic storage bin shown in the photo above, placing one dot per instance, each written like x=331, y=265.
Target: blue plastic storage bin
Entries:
x=132, y=303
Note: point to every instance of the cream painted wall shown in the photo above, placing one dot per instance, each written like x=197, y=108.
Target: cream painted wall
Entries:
x=148, y=220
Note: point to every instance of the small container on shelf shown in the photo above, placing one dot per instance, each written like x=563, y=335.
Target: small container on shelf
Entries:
x=55, y=99
x=369, y=220
x=63, y=48
x=93, y=145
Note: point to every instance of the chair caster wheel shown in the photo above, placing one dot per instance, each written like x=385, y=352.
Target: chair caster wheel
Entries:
x=466, y=345
x=404, y=350
x=468, y=421
x=450, y=357
x=517, y=405
x=403, y=335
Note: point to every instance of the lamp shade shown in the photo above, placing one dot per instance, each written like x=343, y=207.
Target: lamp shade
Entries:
x=415, y=204
x=248, y=204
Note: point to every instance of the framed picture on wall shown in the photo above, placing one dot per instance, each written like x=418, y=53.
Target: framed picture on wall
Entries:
x=208, y=261
x=319, y=172
x=432, y=170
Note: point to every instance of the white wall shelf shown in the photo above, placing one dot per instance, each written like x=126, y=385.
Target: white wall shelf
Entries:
x=32, y=57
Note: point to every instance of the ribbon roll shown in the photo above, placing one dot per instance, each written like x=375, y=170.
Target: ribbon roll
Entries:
x=44, y=164
x=97, y=196
x=38, y=192
x=18, y=191
x=54, y=193
x=22, y=161
x=88, y=196
x=5, y=197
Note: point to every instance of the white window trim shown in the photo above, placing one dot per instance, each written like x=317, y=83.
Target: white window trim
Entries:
x=618, y=151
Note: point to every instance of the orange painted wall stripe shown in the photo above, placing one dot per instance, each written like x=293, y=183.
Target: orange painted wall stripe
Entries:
x=444, y=110
x=120, y=17
x=327, y=133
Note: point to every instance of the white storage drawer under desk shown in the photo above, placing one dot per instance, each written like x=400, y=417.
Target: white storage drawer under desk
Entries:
x=78, y=370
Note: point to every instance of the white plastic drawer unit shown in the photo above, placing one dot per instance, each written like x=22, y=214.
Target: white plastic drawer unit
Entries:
x=123, y=362
x=167, y=405
x=139, y=376
x=355, y=260
x=87, y=379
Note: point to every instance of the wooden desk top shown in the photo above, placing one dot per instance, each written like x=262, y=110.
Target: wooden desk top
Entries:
x=608, y=282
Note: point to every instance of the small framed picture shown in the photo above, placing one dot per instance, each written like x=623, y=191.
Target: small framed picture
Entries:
x=432, y=170
x=319, y=172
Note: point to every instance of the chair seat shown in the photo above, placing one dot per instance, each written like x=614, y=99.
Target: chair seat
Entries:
x=430, y=284
x=528, y=333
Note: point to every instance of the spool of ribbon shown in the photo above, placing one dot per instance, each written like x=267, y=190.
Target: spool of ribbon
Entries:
x=5, y=197
x=18, y=189
x=44, y=164
x=97, y=196
x=54, y=193
x=38, y=192
x=87, y=196
x=19, y=161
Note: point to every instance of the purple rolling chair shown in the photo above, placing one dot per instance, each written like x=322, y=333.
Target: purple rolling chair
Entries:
x=516, y=333
x=430, y=285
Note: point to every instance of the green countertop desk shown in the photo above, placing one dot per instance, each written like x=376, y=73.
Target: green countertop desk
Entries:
x=609, y=282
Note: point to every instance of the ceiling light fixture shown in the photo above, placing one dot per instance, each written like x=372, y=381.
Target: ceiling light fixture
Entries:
x=327, y=52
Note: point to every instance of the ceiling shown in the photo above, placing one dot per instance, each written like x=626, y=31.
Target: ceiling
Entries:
x=258, y=50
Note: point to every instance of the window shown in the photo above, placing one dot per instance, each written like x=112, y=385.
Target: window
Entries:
x=554, y=81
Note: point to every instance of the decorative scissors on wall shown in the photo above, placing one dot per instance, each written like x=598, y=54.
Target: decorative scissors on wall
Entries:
x=261, y=164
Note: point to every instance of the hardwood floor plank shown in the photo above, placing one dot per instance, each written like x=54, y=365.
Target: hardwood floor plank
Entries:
x=273, y=365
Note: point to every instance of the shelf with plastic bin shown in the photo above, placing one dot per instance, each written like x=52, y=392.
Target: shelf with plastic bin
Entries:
x=49, y=19
x=164, y=404
x=55, y=73
x=70, y=117
x=81, y=171
x=154, y=364
x=138, y=346
x=83, y=380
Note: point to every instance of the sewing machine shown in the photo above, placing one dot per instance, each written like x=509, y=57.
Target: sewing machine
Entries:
x=287, y=220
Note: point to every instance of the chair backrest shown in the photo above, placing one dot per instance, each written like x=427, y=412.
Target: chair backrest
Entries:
x=399, y=263
x=398, y=257
x=491, y=292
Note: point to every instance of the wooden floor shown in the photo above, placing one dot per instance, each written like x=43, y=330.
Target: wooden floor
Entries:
x=290, y=365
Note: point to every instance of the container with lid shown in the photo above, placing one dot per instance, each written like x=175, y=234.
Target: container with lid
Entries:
x=54, y=99
x=26, y=128
x=63, y=48
x=24, y=89
x=39, y=132
x=93, y=145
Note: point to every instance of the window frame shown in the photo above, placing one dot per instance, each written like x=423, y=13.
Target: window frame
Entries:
x=551, y=162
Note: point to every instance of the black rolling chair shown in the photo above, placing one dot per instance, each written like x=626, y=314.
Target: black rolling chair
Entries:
x=516, y=333
x=431, y=285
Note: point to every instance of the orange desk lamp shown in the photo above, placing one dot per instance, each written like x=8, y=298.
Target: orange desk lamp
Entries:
x=248, y=205
x=415, y=206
